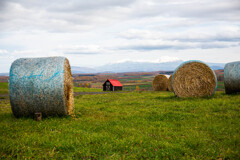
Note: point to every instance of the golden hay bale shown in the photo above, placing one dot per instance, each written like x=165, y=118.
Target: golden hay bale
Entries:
x=170, y=84
x=160, y=83
x=194, y=79
x=232, y=77
x=41, y=85
x=68, y=87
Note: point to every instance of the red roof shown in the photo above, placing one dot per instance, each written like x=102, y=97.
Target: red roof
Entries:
x=115, y=82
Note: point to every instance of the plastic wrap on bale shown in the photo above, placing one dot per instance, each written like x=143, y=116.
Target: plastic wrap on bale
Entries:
x=232, y=77
x=41, y=85
x=194, y=79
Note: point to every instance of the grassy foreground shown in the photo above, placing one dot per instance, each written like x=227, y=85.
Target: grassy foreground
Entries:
x=81, y=89
x=3, y=88
x=133, y=125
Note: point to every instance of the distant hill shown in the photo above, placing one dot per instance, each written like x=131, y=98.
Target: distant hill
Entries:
x=4, y=74
x=140, y=66
x=149, y=67
x=216, y=66
x=82, y=70
x=130, y=66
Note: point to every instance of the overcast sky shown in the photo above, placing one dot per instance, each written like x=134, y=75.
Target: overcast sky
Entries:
x=96, y=32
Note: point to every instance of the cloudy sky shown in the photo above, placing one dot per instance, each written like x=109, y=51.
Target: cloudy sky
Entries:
x=96, y=32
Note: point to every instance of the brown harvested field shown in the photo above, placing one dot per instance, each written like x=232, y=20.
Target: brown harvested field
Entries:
x=4, y=79
x=129, y=80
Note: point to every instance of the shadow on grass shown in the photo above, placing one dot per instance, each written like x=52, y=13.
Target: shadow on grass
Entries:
x=222, y=93
x=6, y=116
x=167, y=98
x=31, y=117
x=175, y=98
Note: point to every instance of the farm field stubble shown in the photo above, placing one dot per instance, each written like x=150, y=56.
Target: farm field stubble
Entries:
x=3, y=88
x=132, y=125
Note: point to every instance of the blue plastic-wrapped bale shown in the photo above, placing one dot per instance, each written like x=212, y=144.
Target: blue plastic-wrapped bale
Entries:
x=232, y=77
x=41, y=85
x=194, y=79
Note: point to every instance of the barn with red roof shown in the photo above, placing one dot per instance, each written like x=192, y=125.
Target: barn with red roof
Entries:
x=112, y=85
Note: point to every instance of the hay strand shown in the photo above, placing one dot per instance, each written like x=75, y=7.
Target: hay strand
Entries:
x=232, y=77
x=194, y=79
x=68, y=87
x=41, y=85
x=160, y=83
x=170, y=84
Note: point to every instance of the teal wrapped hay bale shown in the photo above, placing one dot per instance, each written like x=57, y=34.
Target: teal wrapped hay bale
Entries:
x=41, y=85
x=194, y=79
x=232, y=77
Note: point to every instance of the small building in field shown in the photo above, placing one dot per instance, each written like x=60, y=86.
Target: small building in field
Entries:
x=112, y=85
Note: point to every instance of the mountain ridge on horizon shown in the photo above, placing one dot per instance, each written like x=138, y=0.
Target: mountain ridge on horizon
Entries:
x=131, y=66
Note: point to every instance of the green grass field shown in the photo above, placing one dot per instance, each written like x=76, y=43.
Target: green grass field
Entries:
x=220, y=85
x=81, y=89
x=132, y=125
x=148, y=86
x=3, y=88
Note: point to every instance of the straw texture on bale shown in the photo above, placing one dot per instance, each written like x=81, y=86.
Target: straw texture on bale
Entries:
x=41, y=85
x=170, y=84
x=232, y=77
x=160, y=83
x=194, y=79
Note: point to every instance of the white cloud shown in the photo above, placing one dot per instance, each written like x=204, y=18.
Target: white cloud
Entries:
x=34, y=53
x=3, y=52
x=158, y=60
x=205, y=9
x=199, y=34
x=69, y=16
x=93, y=33
x=80, y=49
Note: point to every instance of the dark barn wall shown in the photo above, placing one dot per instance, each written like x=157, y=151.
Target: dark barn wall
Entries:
x=116, y=88
x=105, y=86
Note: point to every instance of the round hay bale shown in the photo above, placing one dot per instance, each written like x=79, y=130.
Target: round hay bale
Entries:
x=194, y=79
x=41, y=85
x=170, y=84
x=232, y=77
x=160, y=83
